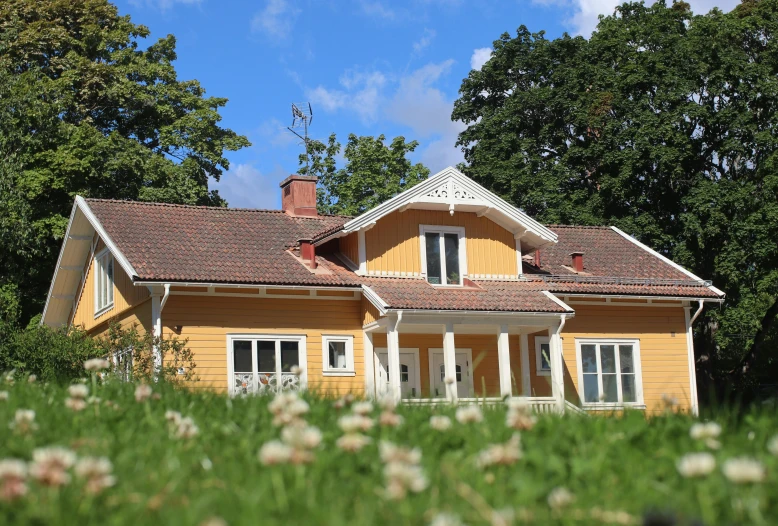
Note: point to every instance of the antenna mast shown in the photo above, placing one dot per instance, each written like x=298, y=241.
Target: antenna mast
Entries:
x=302, y=116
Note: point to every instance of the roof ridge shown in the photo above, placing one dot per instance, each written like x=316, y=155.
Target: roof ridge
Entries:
x=585, y=227
x=205, y=207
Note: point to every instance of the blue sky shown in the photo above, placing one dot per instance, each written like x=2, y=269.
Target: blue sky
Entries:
x=367, y=67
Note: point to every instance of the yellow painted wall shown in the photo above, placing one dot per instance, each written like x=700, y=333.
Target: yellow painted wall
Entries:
x=393, y=247
x=139, y=316
x=369, y=312
x=125, y=296
x=349, y=247
x=206, y=321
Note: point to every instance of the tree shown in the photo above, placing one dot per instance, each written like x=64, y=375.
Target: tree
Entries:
x=373, y=172
x=662, y=124
x=86, y=111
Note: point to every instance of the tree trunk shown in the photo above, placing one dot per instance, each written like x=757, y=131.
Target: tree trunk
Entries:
x=768, y=322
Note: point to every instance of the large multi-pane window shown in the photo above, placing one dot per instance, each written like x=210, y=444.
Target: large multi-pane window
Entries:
x=443, y=254
x=103, y=281
x=267, y=363
x=609, y=372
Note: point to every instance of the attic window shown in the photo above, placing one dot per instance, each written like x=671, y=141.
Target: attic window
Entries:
x=443, y=254
x=103, y=282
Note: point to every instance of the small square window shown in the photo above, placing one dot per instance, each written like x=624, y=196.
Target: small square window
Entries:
x=542, y=356
x=338, y=355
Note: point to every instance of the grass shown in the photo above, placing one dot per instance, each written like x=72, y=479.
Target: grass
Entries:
x=620, y=470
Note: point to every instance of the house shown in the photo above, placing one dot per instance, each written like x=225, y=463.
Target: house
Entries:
x=444, y=292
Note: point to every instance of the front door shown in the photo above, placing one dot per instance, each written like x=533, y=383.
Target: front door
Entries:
x=409, y=373
x=438, y=373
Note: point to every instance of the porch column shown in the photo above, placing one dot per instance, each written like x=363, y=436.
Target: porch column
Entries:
x=367, y=345
x=557, y=365
x=504, y=361
x=393, y=351
x=450, y=363
x=156, y=328
x=526, y=388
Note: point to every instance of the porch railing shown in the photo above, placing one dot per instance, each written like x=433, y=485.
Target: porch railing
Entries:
x=264, y=383
x=538, y=404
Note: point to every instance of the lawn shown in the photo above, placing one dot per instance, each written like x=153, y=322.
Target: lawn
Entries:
x=256, y=461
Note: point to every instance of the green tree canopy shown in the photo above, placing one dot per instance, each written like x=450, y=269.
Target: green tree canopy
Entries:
x=87, y=111
x=373, y=172
x=663, y=123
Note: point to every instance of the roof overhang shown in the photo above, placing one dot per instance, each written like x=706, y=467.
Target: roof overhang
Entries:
x=72, y=263
x=450, y=190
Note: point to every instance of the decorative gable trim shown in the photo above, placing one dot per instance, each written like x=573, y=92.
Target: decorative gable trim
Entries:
x=452, y=188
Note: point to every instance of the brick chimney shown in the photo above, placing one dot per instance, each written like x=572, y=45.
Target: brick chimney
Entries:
x=308, y=252
x=578, y=261
x=298, y=195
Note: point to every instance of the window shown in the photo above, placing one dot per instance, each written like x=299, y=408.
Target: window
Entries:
x=542, y=356
x=338, y=357
x=103, y=282
x=609, y=372
x=266, y=364
x=443, y=373
x=443, y=254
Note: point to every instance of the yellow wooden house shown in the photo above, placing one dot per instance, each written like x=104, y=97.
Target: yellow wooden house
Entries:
x=443, y=293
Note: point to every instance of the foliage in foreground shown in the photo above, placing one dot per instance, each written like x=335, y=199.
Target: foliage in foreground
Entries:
x=181, y=457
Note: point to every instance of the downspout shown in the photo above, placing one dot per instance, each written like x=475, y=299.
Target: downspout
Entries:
x=690, y=345
x=164, y=299
x=157, y=305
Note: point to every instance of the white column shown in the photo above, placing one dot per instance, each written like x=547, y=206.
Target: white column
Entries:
x=557, y=365
x=367, y=345
x=450, y=363
x=526, y=388
x=693, y=400
x=393, y=350
x=504, y=361
x=156, y=326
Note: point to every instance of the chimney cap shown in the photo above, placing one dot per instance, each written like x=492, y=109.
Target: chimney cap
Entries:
x=576, y=253
x=298, y=177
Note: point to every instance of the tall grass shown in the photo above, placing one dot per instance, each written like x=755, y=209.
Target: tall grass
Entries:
x=620, y=470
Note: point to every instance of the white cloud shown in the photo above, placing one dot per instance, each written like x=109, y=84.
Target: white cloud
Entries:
x=377, y=9
x=275, y=19
x=244, y=186
x=361, y=94
x=424, y=42
x=163, y=5
x=480, y=57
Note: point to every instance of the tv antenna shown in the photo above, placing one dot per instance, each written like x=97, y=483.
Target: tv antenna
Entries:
x=302, y=116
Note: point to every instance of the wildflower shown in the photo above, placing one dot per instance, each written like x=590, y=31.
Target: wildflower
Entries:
x=390, y=419
x=670, y=402
x=501, y=454
x=354, y=423
x=10, y=377
x=49, y=466
x=449, y=380
x=401, y=478
x=744, y=470
x=75, y=404
x=96, y=364
x=214, y=521
x=274, y=452
x=296, y=370
x=705, y=431
x=13, y=474
x=696, y=465
x=173, y=417
x=520, y=419
x=440, y=423
x=94, y=400
x=344, y=401
x=287, y=408
x=469, y=414
x=78, y=391
x=751, y=435
x=772, y=445
x=446, y=519
x=186, y=428
x=97, y=473
x=387, y=403
x=392, y=453
x=24, y=421
x=560, y=498
x=302, y=437
x=3, y=396
x=352, y=442
x=362, y=408
x=32, y=379
x=142, y=392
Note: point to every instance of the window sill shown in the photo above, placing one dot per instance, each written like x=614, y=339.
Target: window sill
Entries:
x=103, y=310
x=543, y=373
x=339, y=373
x=613, y=407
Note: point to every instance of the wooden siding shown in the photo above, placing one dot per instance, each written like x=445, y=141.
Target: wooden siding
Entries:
x=138, y=316
x=206, y=322
x=392, y=246
x=125, y=296
x=369, y=312
x=349, y=247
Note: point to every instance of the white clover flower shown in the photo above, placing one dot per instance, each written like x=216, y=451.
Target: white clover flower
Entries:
x=75, y=404
x=449, y=380
x=287, y=408
x=186, y=428
x=296, y=370
x=704, y=431
x=173, y=417
x=302, y=437
x=49, y=466
x=143, y=392
x=13, y=468
x=10, y=377
x=392, y=453
x=32, y=379
x=696, y=465
x=501, y=454
x=96, y=364
x=560, y=498
x=390, y=419
x=440, y=423
x=446, y=519
x=387, y=403
x=362, y=408
x=274, y=452
x=355, y=423
x=772, y=445
x=402, y=478
x=24, y=421
x=520, y=420
x=4, y=396
x=469, y=414
x=78, y=391
x=13, y=473
x=352, y=442
x=744, y=470
x=97, y=471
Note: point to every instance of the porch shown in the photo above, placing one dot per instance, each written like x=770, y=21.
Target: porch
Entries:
x=424, y=358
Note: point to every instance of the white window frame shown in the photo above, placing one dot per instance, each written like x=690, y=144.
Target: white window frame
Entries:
x=302, y=352
x=100, y=262
x=639, y=402
x=539, y=370
x=442, y=229
x=325, y=355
